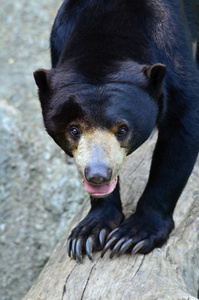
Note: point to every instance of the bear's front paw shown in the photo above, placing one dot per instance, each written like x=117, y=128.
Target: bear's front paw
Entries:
x=91, y=233
x=139, y=233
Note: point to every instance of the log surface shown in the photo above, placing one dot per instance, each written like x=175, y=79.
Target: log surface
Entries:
x=171, y=272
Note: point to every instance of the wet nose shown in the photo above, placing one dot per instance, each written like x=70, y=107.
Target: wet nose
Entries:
x=98, y=174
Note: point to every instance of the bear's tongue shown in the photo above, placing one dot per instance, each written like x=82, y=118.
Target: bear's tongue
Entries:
x=100, y=190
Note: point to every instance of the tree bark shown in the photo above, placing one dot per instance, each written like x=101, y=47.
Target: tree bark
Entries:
x=171, y=272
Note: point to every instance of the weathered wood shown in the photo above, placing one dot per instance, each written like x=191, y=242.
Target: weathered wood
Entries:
x=171, y=272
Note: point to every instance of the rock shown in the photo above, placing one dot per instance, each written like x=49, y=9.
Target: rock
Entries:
x=39, y=191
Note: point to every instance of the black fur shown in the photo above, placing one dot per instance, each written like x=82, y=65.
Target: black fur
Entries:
x=110, y=57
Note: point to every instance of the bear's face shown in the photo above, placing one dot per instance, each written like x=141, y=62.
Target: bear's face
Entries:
x=99, y=125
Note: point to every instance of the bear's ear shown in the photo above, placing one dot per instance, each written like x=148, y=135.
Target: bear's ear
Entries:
x=42, y=78
x=155, y=74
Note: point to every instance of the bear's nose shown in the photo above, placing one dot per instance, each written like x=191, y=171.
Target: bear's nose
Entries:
x=98, y=174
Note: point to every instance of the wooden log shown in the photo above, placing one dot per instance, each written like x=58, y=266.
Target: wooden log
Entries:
x=171, y=272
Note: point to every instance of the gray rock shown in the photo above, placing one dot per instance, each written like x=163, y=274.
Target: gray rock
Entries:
x=39, y=191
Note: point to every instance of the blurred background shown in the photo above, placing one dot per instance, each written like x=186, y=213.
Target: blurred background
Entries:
x=40, y=190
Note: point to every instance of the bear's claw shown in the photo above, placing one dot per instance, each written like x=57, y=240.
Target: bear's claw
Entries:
x=78, y=250
x=117, y=247
x=76, y=247
x=112, y=233
x=108, y=245
x=89, y=247
x=122, y=246
x=91, y=233
x=138, y=233
x=126, y=245
x=138, y=246
x=69, y=245
x=102, y=237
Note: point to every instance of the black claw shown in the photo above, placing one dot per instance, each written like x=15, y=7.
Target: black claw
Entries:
x=69, y=247
x=79, y=250
x=102, y=237
x=117, y=247
x=112, y=233
x=138, y=246
x=89, y=247
x=125, y=247
x=74, y=248
x=108, y=245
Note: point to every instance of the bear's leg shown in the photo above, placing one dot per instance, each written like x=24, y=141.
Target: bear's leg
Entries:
x=173, y=160
x=90, y=234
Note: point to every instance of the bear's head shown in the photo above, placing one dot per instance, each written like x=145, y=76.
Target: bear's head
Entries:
x=99, y=124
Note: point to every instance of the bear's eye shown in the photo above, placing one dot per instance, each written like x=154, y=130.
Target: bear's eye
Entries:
x=122, y=131
x=75, y=132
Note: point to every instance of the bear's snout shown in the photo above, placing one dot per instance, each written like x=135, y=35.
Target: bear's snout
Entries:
x=98, y=174
x=99, y=158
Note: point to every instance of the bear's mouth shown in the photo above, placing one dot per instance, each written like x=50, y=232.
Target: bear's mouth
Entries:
x=99, y=191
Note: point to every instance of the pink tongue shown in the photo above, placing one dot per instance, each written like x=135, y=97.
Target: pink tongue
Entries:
x=100, y=190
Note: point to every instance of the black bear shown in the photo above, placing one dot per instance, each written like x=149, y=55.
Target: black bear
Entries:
x=120, y=68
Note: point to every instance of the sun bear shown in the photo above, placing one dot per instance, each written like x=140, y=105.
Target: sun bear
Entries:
x=121, y=68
